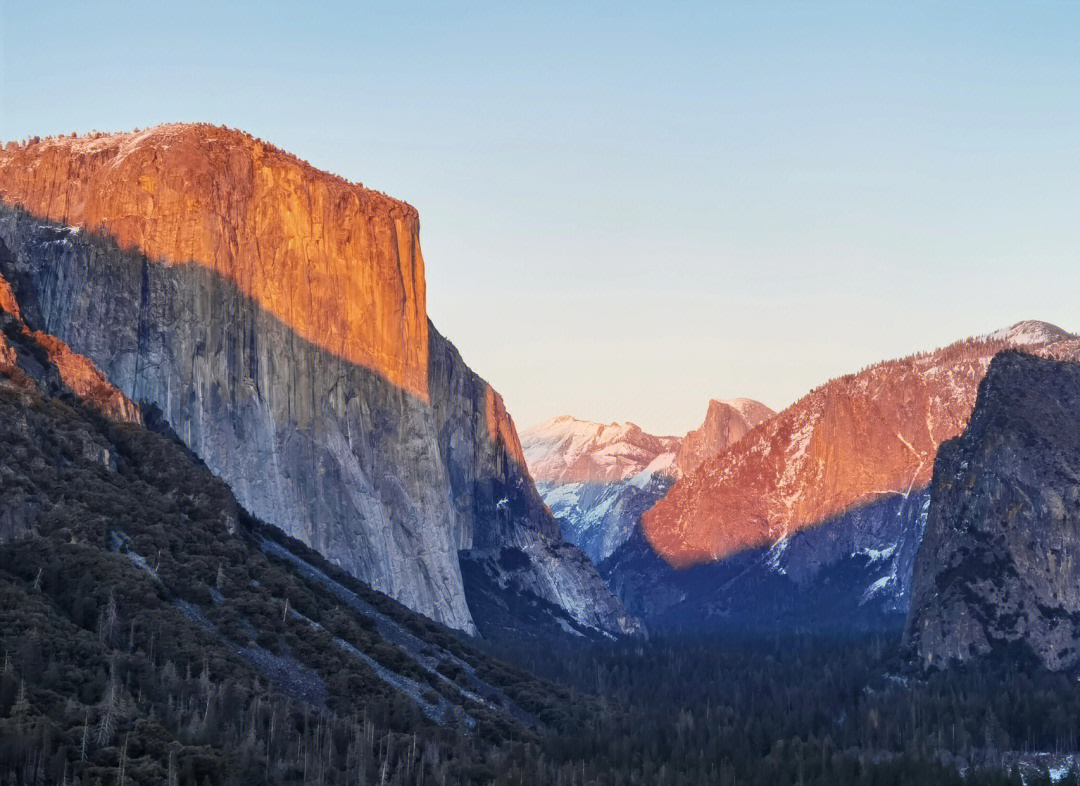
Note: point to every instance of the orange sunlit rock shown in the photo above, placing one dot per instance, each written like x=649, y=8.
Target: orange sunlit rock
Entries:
x=8, y=302
x=847, y=442
x=501, y=428
x=336, y=262
x=82, y=377
x=77, y=373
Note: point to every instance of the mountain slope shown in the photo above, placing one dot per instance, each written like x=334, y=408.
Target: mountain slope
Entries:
x=853, y=439
x=275, y=316
x=568, y=450
x=815, y=517
x=150, y=624
x=998, y=564
x=597, y=479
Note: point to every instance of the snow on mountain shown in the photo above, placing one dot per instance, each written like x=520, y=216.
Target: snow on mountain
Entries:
x=599, y=478
x=844, y=444
x=1030, y=332
x=568, y=450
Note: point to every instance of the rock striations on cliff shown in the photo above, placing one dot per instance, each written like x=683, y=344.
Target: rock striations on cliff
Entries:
x=274, y=316
x=1000, y=561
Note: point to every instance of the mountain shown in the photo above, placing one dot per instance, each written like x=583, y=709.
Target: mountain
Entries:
x=813, y=519
x=598, y=479
x=150, y=625
x=274, y=317
x=568, y=450
x=851, y=440
x=726, y=422
x=998, y=564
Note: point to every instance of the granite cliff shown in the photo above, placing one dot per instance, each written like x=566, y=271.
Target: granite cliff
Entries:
x=274, y=317
x=726, y=422
x=812, y=520
x=1000, y=560
x=846, y=443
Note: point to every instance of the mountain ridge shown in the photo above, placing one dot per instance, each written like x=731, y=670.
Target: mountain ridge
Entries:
x=861, y=434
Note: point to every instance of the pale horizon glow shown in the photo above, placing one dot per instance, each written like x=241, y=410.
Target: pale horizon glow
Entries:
x=629, y=209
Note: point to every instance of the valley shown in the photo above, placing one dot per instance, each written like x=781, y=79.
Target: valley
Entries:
x=261, y=523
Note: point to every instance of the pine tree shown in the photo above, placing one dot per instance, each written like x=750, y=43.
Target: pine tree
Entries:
x=123, y=761
x=107, y=622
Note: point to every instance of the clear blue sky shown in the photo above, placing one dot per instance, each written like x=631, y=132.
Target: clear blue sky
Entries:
x=628, y=209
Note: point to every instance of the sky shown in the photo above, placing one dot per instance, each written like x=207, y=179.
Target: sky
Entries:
x=628, y=209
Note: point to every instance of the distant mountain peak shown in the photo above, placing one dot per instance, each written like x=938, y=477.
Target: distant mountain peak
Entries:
x=1031, y=332
x=569, y=450
x=726, y=422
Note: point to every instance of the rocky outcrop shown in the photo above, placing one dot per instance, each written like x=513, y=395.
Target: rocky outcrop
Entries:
x=726, y=422
x=1000, y=561
x=853, y=439
x=268, y=313
x=503, y=526
x=30, y=359
x=338, y=263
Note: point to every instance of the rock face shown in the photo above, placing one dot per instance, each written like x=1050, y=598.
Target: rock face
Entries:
x=30, y=359
x=847, y=442
x=807, y=557
x=849, y=573
x=274, y=316
x=338, y=263
x=726, y=422
x=1000, y=561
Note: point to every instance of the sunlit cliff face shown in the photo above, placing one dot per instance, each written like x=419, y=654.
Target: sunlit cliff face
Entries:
x=336, y=262
x=843, y=445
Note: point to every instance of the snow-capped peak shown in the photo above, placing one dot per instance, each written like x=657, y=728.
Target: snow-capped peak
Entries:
x=1030, y=332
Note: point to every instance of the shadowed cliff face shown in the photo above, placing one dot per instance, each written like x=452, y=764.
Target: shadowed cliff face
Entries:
x=338, y=263
x=855, y=438
x=1000, y=562
x=32, y=359
x=851, y=572
x=382, y=482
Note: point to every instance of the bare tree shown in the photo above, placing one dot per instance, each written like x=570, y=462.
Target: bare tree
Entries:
x=110, y=711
